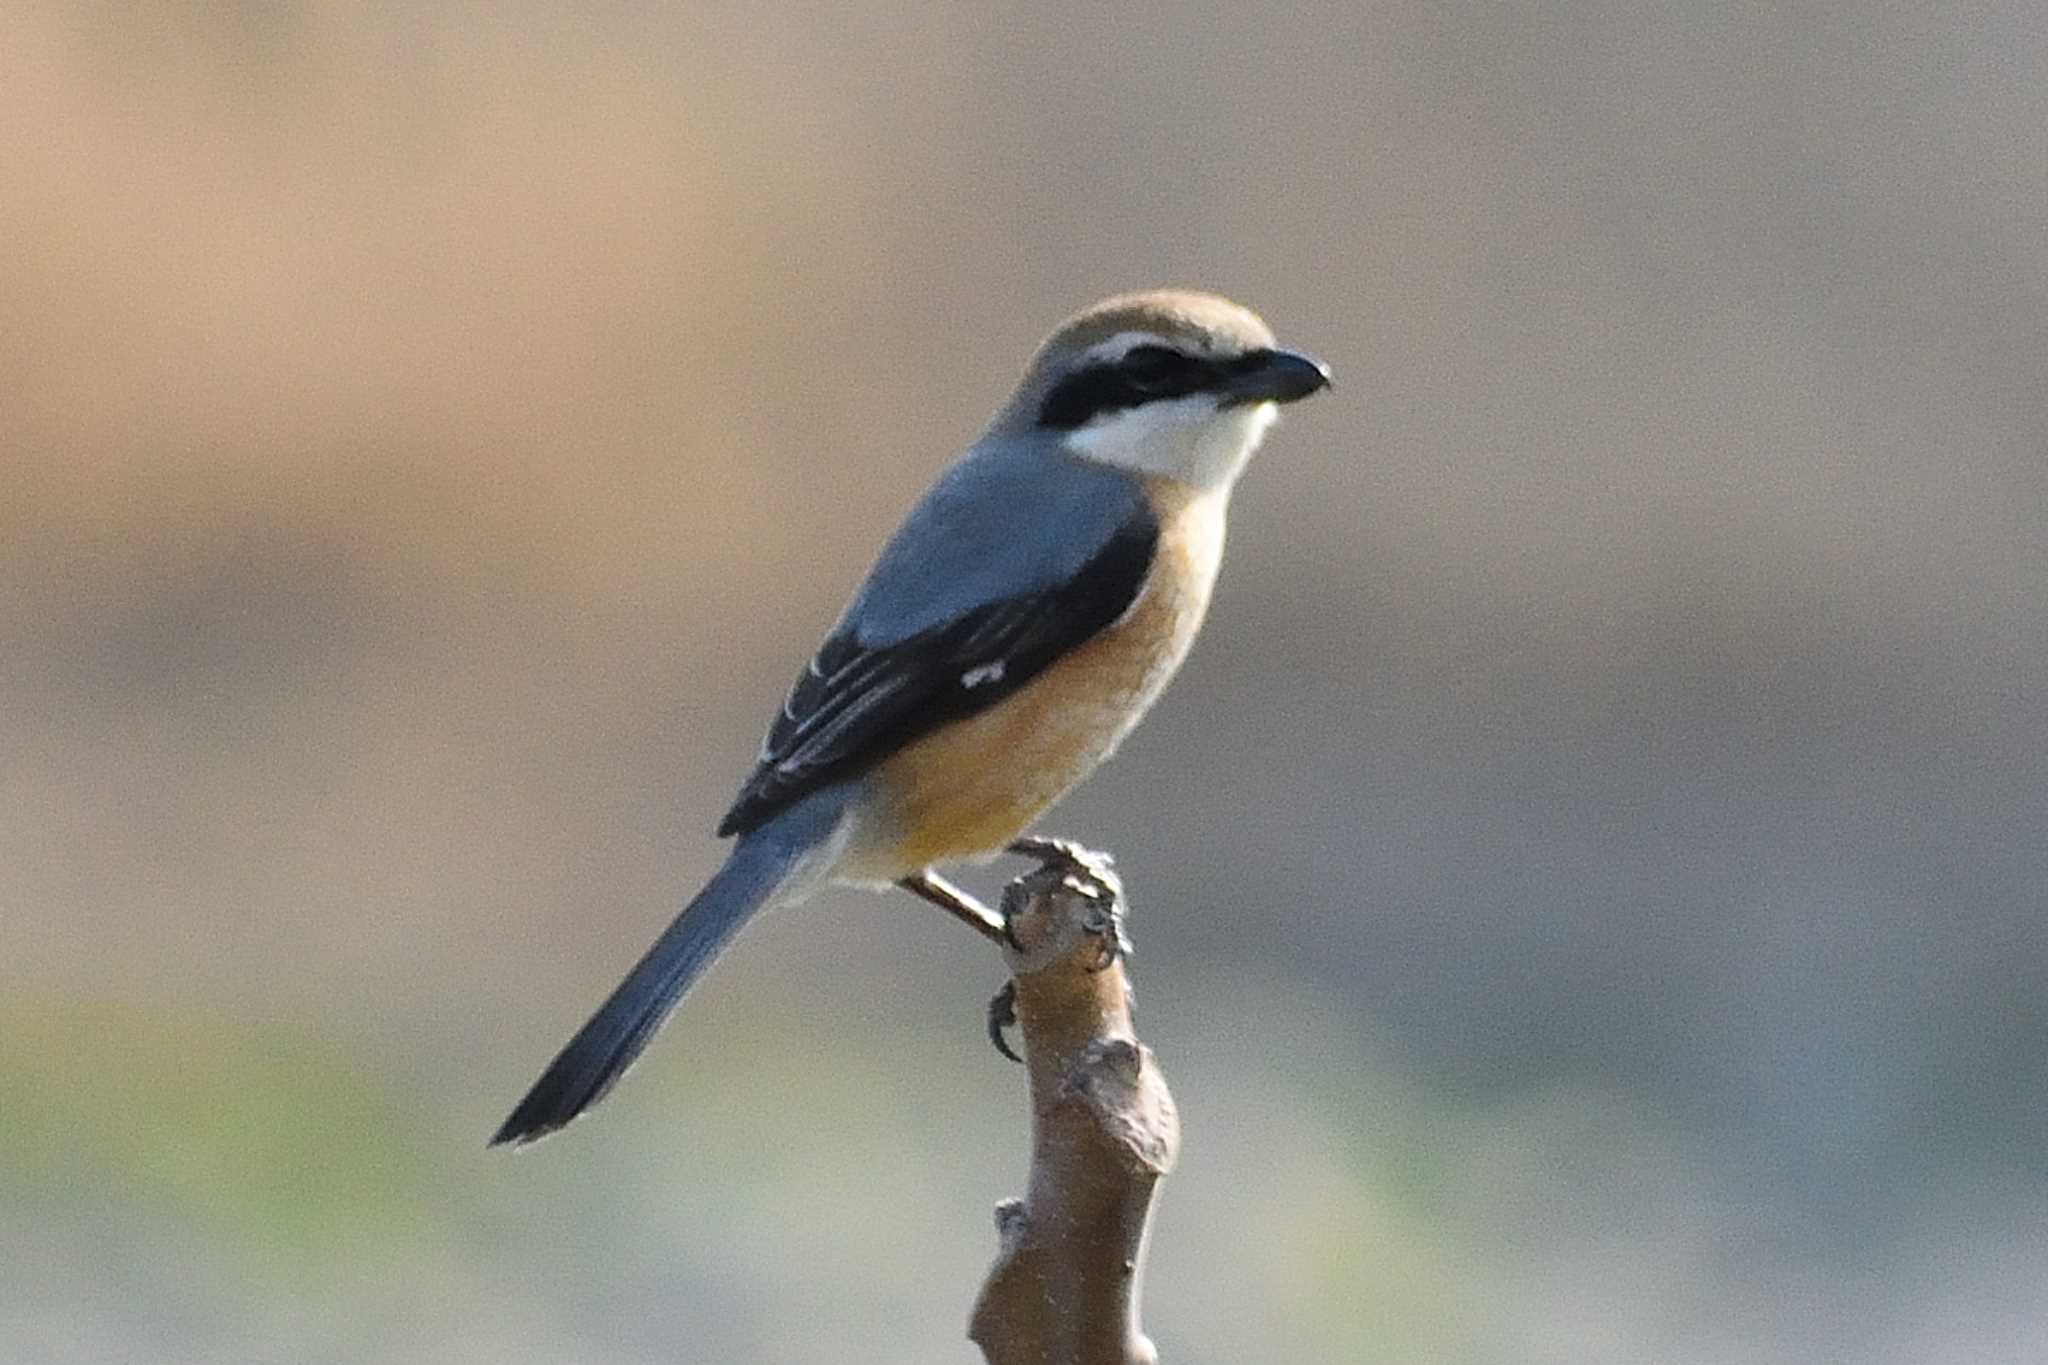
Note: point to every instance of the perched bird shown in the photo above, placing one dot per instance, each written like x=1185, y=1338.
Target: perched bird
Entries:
x=1016, y=627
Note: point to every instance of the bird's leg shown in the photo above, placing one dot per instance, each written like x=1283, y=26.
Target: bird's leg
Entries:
x=930, y=886
x=962, y=905
x=1090, y=874
x=1093, y=875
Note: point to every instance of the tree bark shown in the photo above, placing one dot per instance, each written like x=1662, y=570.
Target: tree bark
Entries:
x=1065, y=1285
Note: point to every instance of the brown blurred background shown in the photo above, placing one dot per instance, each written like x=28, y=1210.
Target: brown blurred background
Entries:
x=1589, y=882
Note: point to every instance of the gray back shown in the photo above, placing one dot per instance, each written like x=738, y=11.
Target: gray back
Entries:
x=1015, y=515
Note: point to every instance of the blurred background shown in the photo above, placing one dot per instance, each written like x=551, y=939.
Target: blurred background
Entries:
x=1589, y=882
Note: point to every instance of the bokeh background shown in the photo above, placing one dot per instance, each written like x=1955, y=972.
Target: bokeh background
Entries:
x=1589, y=882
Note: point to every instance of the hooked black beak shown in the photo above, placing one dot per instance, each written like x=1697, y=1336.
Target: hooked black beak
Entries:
x=1273, y=376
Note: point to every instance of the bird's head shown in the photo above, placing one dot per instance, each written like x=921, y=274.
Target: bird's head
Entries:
x=1167, y=382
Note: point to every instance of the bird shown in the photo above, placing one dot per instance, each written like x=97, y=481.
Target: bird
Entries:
x=1022, y=619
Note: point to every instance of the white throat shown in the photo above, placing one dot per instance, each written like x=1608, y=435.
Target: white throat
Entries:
x=1187, y=439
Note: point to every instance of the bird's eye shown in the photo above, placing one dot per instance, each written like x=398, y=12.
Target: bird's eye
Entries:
x=1153, y=368
x=1144, y=374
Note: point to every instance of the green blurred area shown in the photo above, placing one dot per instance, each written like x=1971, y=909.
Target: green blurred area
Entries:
x=270, y=1143
x=1588, y=881
x=207, y=1187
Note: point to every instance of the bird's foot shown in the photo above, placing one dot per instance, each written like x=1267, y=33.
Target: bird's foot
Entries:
x=1002, y=1014
x=1090, y=875
x=1081, y=872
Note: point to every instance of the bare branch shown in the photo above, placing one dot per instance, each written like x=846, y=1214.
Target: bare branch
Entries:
x=1065, y=1286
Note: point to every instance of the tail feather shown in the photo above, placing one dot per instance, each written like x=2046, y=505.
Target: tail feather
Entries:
x=604, y=1047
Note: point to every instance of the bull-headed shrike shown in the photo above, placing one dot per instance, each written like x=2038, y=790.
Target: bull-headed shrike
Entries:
x=1016, y=627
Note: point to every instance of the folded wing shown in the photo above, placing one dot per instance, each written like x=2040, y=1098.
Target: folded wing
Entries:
x=861, y=698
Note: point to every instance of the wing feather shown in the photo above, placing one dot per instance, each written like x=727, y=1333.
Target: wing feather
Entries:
x=856, y=702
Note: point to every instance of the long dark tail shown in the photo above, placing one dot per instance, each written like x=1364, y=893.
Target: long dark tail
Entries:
x=602, y=1049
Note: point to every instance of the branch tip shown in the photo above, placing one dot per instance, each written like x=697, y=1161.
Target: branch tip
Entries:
x=1064, y=1287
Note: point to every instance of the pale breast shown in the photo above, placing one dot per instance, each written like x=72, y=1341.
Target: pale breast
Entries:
x=969, y=788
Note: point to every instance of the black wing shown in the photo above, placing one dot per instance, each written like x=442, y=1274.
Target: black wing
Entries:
x=856, y=703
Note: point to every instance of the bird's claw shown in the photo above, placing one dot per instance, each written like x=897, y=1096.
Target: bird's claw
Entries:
x=1073, y=854
x=1089, y=875
x=1007, y=913
x=1084, y=873
x=1108, y=924
x=1002, y=1013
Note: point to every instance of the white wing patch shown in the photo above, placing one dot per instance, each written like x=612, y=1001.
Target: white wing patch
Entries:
x=982, y=674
